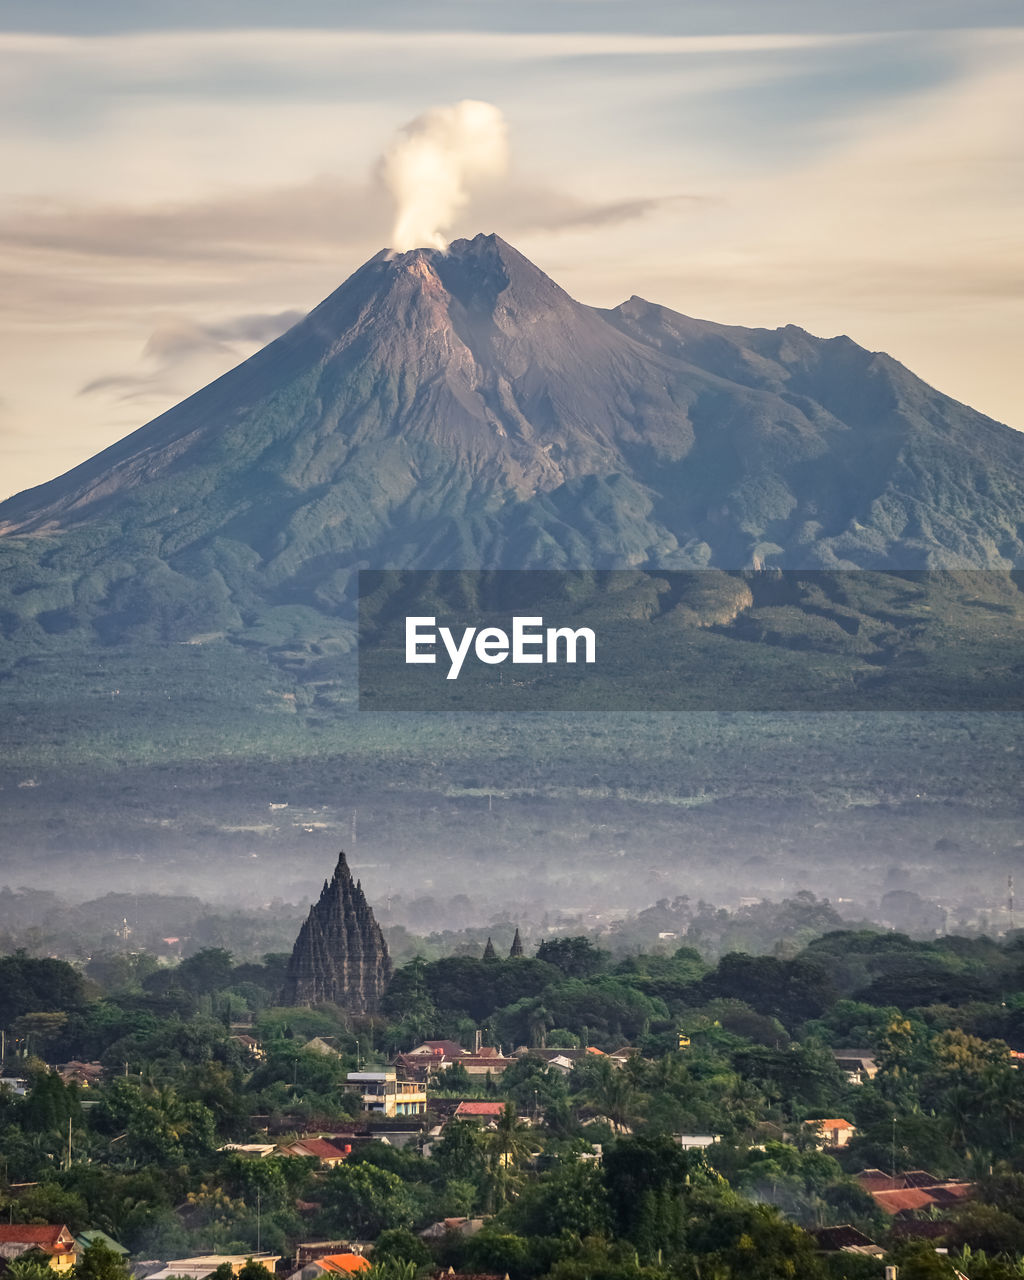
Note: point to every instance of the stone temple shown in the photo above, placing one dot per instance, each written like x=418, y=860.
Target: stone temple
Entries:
x=340, y=956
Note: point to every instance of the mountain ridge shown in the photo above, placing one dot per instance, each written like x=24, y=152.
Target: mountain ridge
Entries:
x=461, y=410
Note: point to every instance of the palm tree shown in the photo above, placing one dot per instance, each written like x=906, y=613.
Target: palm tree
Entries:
x=960, y=1105
x=636, y=1071
x=30, y=1266
x=1004, y=1103
x=510, y=1137
x=509, y=1143
x=612, y=1096
x=538, y=1022
x=391, y=1269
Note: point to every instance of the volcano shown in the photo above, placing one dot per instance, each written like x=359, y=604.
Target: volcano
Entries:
x=177, y=614
x=460, y=410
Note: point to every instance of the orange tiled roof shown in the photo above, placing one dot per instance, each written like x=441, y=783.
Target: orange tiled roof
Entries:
x=345, y=1263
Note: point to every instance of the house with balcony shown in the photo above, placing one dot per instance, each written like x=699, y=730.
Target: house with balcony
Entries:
x=383, y=1094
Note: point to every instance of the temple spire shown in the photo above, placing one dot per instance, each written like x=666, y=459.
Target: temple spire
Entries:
x=340, y=956
x=517, y=946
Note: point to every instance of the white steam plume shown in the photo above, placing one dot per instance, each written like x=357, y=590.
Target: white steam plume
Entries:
x=430, y=168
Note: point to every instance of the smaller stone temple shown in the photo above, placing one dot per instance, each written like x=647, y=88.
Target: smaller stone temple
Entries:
x=340, y=956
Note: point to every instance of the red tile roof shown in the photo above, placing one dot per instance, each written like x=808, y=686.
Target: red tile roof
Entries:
x=898, y=1201
x=20, y=1233
x=321, y=1148
x=922, y=1197
x=949, y=1192
x=480, y=1108
x=439, y=1048
x=915, y=1189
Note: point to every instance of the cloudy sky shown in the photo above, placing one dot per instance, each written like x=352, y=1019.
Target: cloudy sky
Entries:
x=180, y=181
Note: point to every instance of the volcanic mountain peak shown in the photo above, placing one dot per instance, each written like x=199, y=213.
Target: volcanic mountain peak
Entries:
x=489, y=299
x=458, y=408
x=481, y=276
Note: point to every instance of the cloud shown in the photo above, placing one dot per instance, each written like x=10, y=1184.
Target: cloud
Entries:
x=305, y=220
x=169, y=53
x=309, y=222
x=522, y=207
x=152, y=117
x=179, y=340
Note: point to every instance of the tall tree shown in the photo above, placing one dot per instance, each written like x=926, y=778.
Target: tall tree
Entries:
x=100, y=1262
